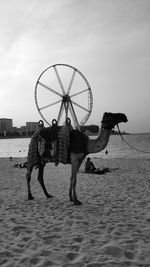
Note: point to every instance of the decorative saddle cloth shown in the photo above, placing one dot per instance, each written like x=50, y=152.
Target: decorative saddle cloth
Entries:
x=51, y=144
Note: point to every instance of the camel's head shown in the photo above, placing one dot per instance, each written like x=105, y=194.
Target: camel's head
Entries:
x=111, y=119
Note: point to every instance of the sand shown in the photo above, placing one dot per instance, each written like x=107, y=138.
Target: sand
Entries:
x=111, y=228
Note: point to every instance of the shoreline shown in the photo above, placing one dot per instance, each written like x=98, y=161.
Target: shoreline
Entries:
x=110, y=228
x=13, y=137
x=90, y=135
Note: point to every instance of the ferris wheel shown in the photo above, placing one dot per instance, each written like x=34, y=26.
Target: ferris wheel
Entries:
x=63, y=92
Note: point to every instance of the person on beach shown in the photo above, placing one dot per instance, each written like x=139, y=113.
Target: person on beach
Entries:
x=89, y=166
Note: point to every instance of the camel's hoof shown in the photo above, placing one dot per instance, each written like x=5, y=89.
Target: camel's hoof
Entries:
x=71, y=199
x=49, y=196
x=77, y=202
x=30, y=197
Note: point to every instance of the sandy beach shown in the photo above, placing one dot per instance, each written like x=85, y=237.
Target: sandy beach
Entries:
x=111, y=228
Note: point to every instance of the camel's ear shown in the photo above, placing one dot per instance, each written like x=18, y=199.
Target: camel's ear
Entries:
x=105, y=116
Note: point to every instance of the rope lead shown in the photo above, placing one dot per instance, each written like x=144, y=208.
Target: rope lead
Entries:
x=138, y=150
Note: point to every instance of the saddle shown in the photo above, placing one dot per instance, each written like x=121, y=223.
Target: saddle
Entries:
x=48, y=143
x=54, y=144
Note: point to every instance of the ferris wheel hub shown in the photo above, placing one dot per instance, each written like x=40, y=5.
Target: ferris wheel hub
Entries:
x=66, y=98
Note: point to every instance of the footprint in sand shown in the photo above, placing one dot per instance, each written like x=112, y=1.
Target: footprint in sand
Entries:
x=5, y=256
x=78, y=239
x=116, y=251
x=49, y=239
x=18, y=229
x=73, y=259
x=30, y=261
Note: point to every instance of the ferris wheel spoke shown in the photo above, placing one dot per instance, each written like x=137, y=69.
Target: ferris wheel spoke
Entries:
x=81, y=92
x=59, y=80
x=76, y=104
x=50, y=89
x=71, y=81
x=49, y=105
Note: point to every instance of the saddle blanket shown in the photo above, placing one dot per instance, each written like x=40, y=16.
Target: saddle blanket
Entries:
x=51, y=149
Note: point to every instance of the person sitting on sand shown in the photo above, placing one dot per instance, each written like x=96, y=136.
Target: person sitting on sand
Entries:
x=89, y=166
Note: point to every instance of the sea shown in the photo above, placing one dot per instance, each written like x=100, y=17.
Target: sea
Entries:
x=138, y=147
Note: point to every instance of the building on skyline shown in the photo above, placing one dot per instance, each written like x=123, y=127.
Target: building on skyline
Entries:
x=7, y=128
x=31, y=126
x=5, y=125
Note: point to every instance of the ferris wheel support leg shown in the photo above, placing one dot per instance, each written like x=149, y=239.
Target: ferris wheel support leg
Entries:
x=60, y=113
x=76, y=123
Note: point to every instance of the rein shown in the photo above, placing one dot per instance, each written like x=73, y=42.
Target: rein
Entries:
x=138, y=150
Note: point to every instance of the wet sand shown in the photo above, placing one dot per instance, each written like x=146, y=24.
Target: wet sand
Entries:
x=111, y=228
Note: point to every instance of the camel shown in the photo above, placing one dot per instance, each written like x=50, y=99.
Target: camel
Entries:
x=77, y=156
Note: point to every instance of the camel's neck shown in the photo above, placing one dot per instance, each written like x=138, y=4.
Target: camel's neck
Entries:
x=98, y=144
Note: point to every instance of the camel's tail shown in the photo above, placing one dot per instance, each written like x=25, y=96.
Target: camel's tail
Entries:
x=33, y=158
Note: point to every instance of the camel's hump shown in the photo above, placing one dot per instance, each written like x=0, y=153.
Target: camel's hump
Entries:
x=78, y=142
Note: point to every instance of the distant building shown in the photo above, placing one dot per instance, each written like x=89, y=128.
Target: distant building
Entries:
x=31, y=126
x=7, y=129
x=5, y=125
x=23, y=128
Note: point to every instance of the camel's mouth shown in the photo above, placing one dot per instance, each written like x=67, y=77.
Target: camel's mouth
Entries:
x=124, y=119
x=121, y=117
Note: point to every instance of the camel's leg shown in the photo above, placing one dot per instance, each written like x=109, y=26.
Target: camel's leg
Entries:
x=70, y=190
x=41, y=180
x=76, y=160
x=28, y=176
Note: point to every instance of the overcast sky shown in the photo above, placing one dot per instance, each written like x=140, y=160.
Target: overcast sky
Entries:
x=107, y=40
